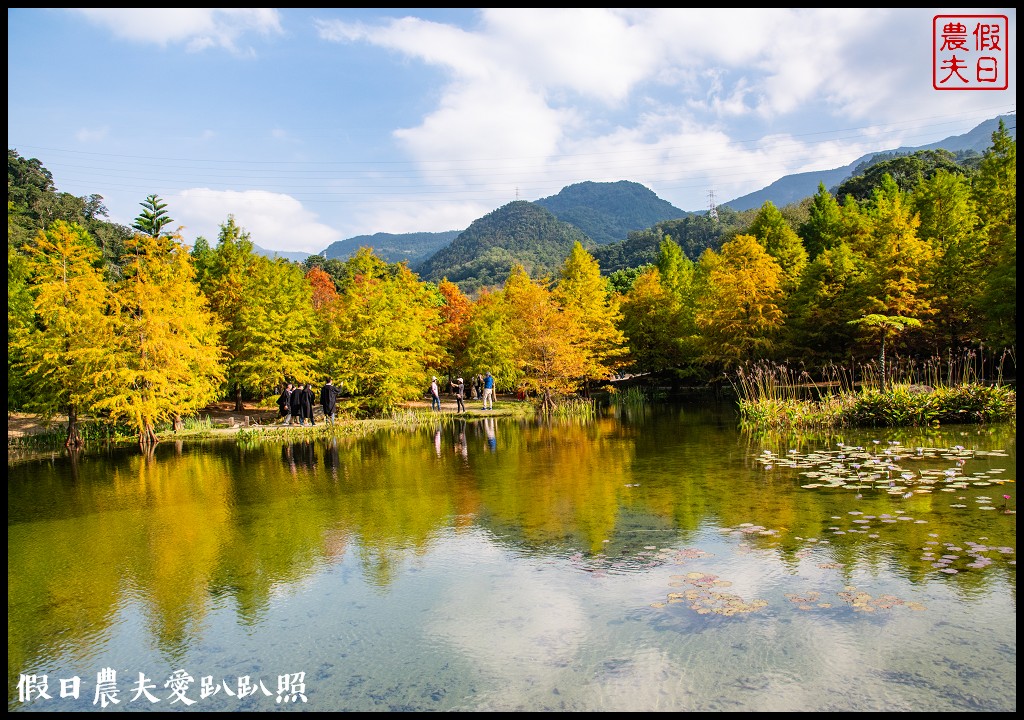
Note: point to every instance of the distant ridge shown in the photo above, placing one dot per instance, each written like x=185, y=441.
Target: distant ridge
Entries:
x=794, y=188
x=293, y=256
x=412, y=247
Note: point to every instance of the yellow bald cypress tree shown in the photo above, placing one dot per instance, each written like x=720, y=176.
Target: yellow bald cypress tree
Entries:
x=65, y=348
x=167, y=359
x=584, y=295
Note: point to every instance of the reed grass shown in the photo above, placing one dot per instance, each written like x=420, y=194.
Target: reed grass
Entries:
x=938, y=390
x=575, y=408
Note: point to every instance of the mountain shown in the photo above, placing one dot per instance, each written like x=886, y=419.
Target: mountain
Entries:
x=519, y=232
x=293, y=256
x=413, y=247
x=608, y=211
x=794, y=188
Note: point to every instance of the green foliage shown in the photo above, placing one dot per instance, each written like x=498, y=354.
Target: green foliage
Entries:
x=822, y=306
x=621, y=281
x=953, y=278
x=491, y=342
x=995, y=192
x=781, y=242
x=975, y=403
x=823, y=228
x=575, y=408
x=944, y=254
x=773, y=406
x=898, y=406
x=633, y=396
x=33, y=204
x=908, y=171
x=883, y=327
x=153, y=217
x=693, y=234
x=381, y=336
x=265, y=307
x=894, y=258
x=20, y=314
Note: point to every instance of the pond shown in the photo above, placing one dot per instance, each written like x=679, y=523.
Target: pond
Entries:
x=654, y=558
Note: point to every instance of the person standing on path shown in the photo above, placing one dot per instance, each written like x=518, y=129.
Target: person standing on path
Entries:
x=460, y=393
x=308, y=398
x=296, y=405
x=435, y=395
x=489, y=391
x=329, y=401
x=284, y=404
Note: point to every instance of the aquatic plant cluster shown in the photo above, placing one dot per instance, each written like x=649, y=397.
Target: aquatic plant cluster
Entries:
x=703, y=598
x=860, y=468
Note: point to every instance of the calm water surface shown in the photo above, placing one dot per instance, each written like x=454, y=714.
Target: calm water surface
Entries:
x=659, y=559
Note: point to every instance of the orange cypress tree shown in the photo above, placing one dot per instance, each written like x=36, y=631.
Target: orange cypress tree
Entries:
x=456, y=313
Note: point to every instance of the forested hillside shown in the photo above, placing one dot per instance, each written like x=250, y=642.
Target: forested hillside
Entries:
x=517, y=233
x=607, y=212
x=413, y=248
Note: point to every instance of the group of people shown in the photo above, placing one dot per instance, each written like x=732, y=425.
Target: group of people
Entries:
x=484, y=383
x=295, y=403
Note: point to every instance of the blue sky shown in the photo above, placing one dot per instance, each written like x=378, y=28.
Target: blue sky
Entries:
x=314, y=125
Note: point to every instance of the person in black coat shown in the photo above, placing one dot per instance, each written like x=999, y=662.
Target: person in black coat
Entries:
x=329, y=400
x=284, y=405
x=306, y=406
x=296, y=405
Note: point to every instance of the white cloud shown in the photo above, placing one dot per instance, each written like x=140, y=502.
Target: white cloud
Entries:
x=592, y=52
x=196, y=28
x=549, y=96
x=92, y=135
x=273, y=220
x=427, y=216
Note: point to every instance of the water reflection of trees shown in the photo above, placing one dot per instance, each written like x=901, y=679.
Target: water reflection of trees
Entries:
x=180, y=528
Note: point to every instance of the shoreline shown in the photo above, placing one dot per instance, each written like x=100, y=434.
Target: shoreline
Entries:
x=225, y=422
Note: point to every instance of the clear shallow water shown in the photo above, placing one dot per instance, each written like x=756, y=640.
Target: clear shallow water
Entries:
x=658, y=560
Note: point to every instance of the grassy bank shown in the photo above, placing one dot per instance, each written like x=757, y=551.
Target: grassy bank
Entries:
x=247, y=426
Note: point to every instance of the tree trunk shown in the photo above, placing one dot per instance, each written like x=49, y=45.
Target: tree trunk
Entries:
x=881, y=362
x=238, y=397
x=547, y=404
x=74, y=439
x=148, y=438
x=179, y=424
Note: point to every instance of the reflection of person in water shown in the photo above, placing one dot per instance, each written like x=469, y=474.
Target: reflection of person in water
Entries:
x=307, y=454
x=461, y=446
x=288, y=457
x=492, y=441
x=437, y=440
x=331, y=456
